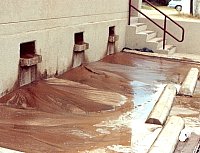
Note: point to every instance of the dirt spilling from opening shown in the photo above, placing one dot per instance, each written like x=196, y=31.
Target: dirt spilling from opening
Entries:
x=90, y=108
x=58, y=115
x=60, y=96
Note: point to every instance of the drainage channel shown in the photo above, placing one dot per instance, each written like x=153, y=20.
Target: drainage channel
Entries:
x=197, y=148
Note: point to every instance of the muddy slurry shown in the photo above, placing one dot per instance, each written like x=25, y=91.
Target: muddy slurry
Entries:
x=96, y=107
x=59, y=116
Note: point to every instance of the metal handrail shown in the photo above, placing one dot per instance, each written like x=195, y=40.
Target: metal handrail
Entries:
x=165, y=22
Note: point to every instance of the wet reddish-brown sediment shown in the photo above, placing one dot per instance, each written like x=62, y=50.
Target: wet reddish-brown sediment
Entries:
x=58, y=115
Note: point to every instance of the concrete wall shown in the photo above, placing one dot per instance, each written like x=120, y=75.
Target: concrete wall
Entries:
x=191, y=43
x=138, y=4
x=186, y=7
x=52, y=24
x=196, y=8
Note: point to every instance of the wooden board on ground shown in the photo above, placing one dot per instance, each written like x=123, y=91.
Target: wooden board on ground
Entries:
x=189, y=145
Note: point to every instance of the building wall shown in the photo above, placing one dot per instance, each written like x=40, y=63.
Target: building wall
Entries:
x=197, y=8
x=138, y=4
x=190, y=45
x=52, y=24
x=186, y=7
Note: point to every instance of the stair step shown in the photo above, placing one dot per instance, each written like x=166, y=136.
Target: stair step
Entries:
x=169, y=49
x=157, y=39
x=138, y=36
x=134, y=20
x=149, y=34
x=139, y=27
x=155, y=43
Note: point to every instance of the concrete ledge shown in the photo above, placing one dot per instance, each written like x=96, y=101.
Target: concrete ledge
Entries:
x=168, y=138
x=189, y=58
x=31, y=61
x=163, y=106
x=81, y=47
x=113, y=38
x=189, y=84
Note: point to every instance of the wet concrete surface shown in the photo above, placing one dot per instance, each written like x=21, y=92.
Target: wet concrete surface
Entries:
x=97, y=107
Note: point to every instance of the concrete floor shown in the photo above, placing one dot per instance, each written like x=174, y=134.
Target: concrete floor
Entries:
x=175, y=15
x=97, y=107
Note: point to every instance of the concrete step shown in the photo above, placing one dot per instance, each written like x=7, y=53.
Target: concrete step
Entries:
x=137, y=36
x=155, y=43
x=169, y=49
x=148, y=34
x=134, y=20
x=139, y=27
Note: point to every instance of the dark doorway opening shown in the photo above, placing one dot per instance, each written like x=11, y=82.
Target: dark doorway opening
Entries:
x=27, y=50
x=27, y=74
x=78, y=38
x=112, y=31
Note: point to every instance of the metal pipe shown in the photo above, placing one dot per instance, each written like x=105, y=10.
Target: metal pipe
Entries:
x=164, y=35
x=129, y=15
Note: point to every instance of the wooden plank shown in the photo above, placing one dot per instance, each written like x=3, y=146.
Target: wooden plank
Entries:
x=189, y=145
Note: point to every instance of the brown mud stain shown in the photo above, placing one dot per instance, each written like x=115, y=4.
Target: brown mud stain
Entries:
x=130, y=67
x=96, y=110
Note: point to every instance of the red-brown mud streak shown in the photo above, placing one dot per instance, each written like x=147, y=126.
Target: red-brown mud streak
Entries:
x=67, y=114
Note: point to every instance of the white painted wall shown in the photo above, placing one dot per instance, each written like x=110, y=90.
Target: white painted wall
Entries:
x=196, y=8
x=186, y=7
x=52, y=23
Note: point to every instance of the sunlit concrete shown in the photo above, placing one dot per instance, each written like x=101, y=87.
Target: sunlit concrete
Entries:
x=189, y=84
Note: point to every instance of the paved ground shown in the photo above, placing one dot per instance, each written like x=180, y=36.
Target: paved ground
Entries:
x=98, y=107
x=175, y=15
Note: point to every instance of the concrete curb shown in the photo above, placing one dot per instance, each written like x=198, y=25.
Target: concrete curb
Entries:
x=189, y=84
x=163, y=106
x=5, y=150
x=168, y=138
x=174, y=57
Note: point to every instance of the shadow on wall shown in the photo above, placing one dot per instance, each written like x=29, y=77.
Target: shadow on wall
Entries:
x=112, y=41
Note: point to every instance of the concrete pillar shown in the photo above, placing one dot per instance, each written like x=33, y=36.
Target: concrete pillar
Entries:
x=138, y=4
x=197, y=8
x=168, y=138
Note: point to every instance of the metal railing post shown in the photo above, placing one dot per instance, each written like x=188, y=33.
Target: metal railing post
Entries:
x=164, y=35
x=161, y=27
x=129, y=13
